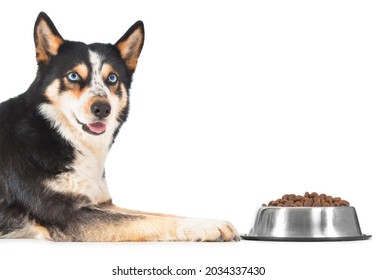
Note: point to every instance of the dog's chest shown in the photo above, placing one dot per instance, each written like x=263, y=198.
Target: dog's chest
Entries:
x=85, y=178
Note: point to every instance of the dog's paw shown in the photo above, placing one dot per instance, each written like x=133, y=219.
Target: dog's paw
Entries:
x=206, y=230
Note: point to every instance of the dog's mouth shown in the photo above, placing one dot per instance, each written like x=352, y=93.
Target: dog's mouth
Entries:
x=95, y=128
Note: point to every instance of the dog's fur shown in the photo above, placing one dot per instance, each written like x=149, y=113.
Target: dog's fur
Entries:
x=54, y=139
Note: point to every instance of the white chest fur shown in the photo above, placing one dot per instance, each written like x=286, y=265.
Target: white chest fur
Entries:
x=86, y=178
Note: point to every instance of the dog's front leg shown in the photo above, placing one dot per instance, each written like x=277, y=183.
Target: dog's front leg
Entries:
x=106, y=225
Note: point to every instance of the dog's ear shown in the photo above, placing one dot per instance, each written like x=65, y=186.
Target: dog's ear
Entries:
x=47, y=39
x=130, y=45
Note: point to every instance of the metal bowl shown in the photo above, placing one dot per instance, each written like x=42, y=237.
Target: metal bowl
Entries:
x=306, y=224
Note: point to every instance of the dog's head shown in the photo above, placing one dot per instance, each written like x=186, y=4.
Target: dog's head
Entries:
x=85, y=87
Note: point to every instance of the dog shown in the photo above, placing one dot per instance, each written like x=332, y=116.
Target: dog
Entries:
x=55, y=137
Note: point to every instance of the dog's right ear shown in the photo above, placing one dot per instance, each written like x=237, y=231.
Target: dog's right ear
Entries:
x=47, y=39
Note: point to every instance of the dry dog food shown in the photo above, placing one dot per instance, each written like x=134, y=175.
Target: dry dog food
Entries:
x=308, y=200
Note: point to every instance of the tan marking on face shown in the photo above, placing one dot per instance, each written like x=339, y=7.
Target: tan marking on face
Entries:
x=124, y=97
x=53, y=95
x=52, y=91
x=82, y=70
x=73, y=88
x=106, y=70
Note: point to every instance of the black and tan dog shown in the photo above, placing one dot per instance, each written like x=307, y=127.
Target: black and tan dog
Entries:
x=54, y=140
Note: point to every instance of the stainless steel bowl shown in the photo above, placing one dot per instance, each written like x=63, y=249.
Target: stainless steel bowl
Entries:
x=306, y=224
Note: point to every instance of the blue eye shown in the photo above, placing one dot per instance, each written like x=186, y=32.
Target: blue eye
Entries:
x=73, y=77
x=112, y=79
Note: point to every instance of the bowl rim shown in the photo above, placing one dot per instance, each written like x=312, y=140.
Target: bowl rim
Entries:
x=305, y=207
x=305, y=239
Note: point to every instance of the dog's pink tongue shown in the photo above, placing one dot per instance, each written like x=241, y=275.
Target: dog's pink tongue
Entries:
x=97, y=127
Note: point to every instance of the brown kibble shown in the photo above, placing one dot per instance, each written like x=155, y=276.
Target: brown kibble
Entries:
x=307, y=203
x=308, y=200
x=344, y=203
x=317, y=202
x=289, y=203
x=329, y=199
x=313, y=195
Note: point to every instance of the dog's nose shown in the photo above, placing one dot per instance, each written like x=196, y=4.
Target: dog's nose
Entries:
x=101, y=109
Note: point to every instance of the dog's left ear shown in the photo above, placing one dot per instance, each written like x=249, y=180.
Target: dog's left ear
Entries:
x=130, y=45
x=47, y=39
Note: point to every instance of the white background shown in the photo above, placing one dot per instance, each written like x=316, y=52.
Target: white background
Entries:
x=233, y=103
